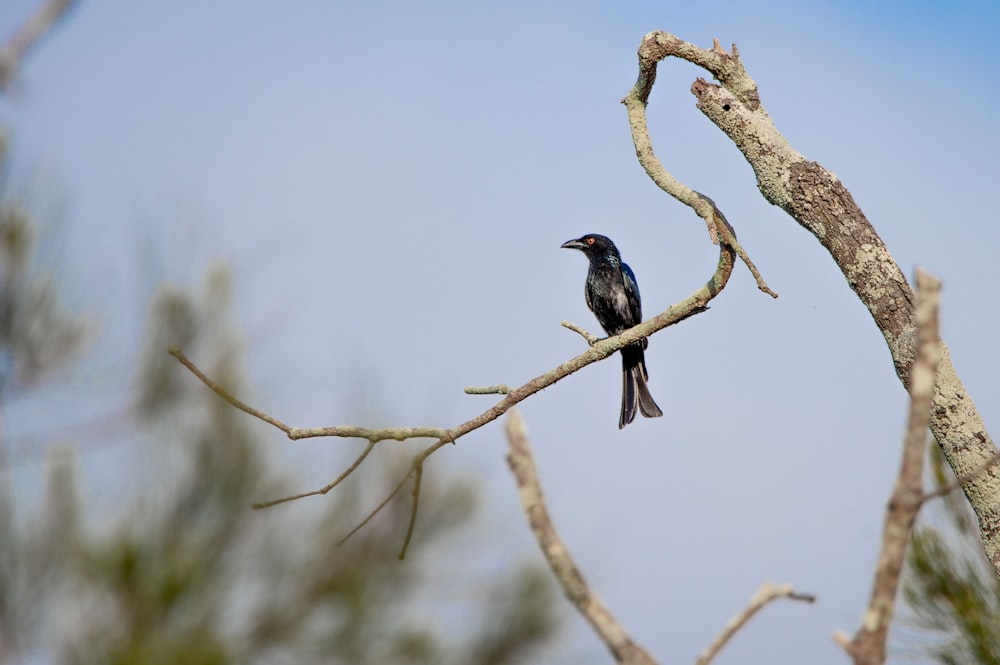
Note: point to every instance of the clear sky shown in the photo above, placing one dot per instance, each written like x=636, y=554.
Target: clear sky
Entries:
x=390, y=183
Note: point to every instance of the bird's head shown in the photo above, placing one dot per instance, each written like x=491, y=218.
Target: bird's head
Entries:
x=593, y=244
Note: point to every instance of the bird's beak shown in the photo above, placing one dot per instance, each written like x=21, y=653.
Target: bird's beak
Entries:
x=573, y=244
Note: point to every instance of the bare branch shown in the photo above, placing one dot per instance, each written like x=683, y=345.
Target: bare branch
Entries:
x=869, y=644
x=821, y=204
x=720, y=231
x=522, y=463
x=41, y=22
x=694, y=304
x=768, y=592
x=635, y=102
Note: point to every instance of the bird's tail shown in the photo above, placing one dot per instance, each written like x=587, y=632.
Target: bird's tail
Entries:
x=635, y=393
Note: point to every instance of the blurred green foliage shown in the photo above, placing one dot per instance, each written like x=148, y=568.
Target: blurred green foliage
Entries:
x=951, y=593
x=190, y=574
x=37, y=336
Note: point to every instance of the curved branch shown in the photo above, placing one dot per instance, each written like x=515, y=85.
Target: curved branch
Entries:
x=635, y=102
x=767, y=593
x=821, y=204
x=522, y=464
x=693, y=304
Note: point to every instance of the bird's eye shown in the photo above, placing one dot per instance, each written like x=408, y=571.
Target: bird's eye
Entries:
x=589, y=241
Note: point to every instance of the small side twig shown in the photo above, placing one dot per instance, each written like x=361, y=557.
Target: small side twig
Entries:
x=322, y=490
x=418, y=471
x=767, y=593
x=611, y=632
x=868, y=647
x=591, y=339
x=961, y=480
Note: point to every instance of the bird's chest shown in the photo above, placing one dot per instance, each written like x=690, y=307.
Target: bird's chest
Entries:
x=608, y=298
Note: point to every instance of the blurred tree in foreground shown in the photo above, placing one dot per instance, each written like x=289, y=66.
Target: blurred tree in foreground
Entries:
x=36, y=335
x=949, y=587
x=190, y=574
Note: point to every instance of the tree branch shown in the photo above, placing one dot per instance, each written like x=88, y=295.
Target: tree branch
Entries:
x=869, y=644
x=693, y=304
x=522, y=464
x=635, y=103
x=225, y=394
x=821, y=204
x=323, y=490
x=767, y=593
x=41, y=22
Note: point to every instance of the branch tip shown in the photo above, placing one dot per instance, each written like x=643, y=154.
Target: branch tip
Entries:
x=766, y=594
x=418, y=470
x=582, y=332
x=225, y=394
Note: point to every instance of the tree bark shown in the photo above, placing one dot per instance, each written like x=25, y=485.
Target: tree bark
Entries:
x=822, y=205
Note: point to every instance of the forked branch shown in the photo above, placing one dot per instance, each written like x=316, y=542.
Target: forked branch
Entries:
x=621, y=645
x=721, y=233
x=694, y=304
x=816, y=199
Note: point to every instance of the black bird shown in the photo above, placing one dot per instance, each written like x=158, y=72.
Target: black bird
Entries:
x=613, y=296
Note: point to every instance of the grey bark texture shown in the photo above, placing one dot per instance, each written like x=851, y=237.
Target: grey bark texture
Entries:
x=820, y=203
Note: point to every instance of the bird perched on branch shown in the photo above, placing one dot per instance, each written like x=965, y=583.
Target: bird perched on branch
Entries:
x=613, y=296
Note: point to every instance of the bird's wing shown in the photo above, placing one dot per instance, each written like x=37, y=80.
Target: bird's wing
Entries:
x=632, y=291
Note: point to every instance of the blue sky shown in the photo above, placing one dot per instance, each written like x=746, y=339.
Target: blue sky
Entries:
x=390, y=183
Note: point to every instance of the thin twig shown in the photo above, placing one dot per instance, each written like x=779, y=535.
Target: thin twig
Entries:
x=961, y=480
x=225, y=394
x=608, y=629
x=730, y=238
x=868, y=647
x=323, y=490
x=767, y=593
x=591, y=339
x=418, y=469
x=377, y=510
